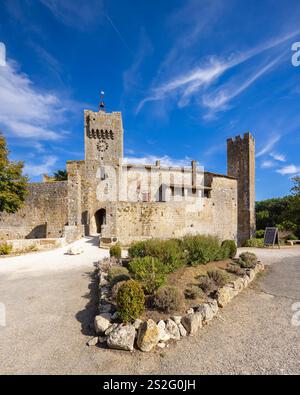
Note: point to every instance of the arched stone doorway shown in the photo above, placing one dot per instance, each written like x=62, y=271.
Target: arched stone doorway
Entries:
x=100, y=219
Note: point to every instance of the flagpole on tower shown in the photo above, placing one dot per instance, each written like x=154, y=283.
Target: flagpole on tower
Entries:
x=102, y=103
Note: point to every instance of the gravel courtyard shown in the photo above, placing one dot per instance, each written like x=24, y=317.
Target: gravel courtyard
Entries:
x=49, y=308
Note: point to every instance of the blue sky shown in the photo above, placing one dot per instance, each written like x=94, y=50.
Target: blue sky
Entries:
x=185, y=74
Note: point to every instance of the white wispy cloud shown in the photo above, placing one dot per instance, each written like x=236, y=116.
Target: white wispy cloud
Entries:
x=269, y=145
x=289, y=170
x=278, y=157
x=196, y=82
x=78, y=14
x=164, y=160
x=47, y=166
x=26, y=111
x=218, y=99
x=268, y=164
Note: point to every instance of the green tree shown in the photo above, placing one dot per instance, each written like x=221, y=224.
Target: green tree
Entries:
x=296, y=188
x=13, y=184
x=294, y=207
x=61, y=175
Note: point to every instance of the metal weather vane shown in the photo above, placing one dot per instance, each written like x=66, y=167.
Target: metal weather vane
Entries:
x=102, y=103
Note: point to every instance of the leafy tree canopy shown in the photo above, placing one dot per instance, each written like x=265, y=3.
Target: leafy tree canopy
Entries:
x=13, y=184
x=60, y=175
x=296, y=188
x=282, y=212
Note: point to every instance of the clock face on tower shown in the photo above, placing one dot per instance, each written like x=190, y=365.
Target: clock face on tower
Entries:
x=102, y=145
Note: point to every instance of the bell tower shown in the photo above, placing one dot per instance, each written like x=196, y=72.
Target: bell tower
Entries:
x=103, y=139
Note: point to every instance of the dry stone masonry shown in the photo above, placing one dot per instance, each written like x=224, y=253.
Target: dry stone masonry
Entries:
x=125, y=202
x=147, y=335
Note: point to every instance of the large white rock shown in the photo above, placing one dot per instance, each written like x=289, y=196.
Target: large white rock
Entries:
x=176, y=319
x=182, y=330
x=213, y=305
x=163, y=336
x=206, y=311
x=102, y=322
x=172, y=329
x=122, y=338
x=148, y=336
x=238, y=284
x=75, y=251
x=225, y=294
x=192, y=322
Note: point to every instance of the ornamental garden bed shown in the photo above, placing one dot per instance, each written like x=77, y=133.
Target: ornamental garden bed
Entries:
x=167, y=289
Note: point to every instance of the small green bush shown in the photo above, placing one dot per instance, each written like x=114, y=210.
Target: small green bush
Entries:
x=137, y=249
x=168, y=299
x=206, y=284
x=169, y=252
x=193, y=292
x=149, y=271
x=5, y=249
x=118, y=273
x=287, y=226
x=202, y=249
x=260, y=234
x=219, y=277
x=236, y=269
x=130, y=301
x=116, y=251
x=247, y=260
x=258, y=243
x=230, y=248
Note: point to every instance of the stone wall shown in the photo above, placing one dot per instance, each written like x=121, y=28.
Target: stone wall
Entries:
x=217, y=215
x=44, y=214
x=20, y=245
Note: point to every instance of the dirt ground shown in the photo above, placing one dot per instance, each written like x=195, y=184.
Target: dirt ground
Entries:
x=49, y=301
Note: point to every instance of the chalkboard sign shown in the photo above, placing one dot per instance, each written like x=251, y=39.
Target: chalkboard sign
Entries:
x=271, y=237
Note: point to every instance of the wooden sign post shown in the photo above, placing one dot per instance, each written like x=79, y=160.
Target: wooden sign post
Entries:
x=271, y=237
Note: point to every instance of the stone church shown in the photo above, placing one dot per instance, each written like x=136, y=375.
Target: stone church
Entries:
x=126, y=202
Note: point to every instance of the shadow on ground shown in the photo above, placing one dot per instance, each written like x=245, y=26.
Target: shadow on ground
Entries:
x=86, y=316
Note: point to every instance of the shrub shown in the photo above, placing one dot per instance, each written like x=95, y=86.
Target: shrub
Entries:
x=137, y=249
x=258, y=243
x=149, y=271
x=219, y=277
x=115, y=290
x=247, y=260
x=260, y=234
x=193, y=292
x=202, y=249
x=5, y=249
x=236, y=269
x=130, y=301
x=169, y=252
x=287, y=226
x=206, y=284
x=116, y=251
x=230, y=247
x=168, y=299
x=117, y=274
x=292, y=237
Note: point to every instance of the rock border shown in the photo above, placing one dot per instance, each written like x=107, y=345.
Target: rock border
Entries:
x=147, y=335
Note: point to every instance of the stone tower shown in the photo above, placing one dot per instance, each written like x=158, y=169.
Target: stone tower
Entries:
x=103, y=140
x=241, y=165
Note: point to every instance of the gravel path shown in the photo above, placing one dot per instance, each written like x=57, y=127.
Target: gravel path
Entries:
x=49, y=299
